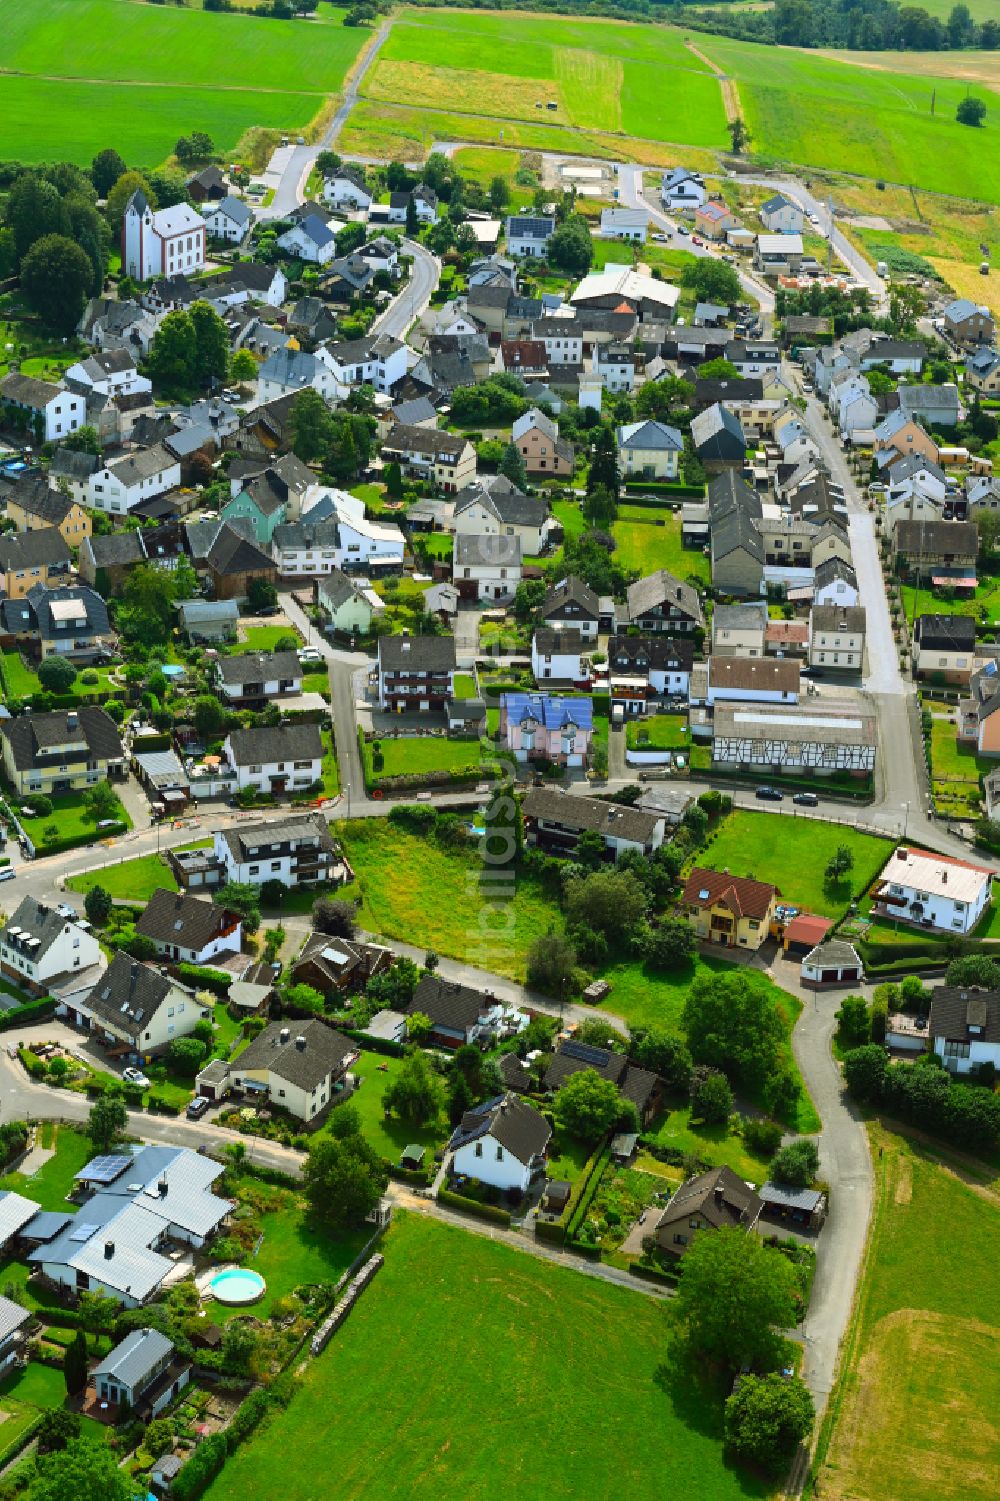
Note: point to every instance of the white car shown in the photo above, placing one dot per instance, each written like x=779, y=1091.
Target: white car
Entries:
x=661, y=239
x=310, y=654
x=135, y=1076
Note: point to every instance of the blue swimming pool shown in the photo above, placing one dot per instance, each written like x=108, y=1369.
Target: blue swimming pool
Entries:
x=237, y=1285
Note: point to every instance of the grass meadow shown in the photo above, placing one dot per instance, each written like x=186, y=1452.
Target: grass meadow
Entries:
x=453, y=1313
x=822, y=113
x=96, y=73
x=646, y=540
x=601, y=76
x=915, y=1415
x=793, y=853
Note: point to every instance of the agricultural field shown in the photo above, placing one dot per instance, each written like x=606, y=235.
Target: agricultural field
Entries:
x=793, y=853
x=600, y=76
x=914, y=1416
x=520, y=1321
x=805, y=108
x=84, y=74
x=647, y=539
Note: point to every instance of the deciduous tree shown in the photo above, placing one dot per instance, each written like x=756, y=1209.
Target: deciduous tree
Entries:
x=105, y=170
x=107, y=1121
x=343, y=1181
x=767, y=1417
x=56, y=278
x=734, y=1295
x=588, y=1106
x=416, y=1094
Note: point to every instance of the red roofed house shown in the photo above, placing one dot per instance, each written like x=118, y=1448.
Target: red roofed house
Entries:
x=525, y=357
x=734, y=911
x=804, y=932
x=786, y=638
x=713, y=219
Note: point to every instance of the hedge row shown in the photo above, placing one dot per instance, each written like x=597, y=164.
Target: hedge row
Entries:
x=31, y=1011
x=383, y=1045
x=652, y=1274
x=589, y=1190
x=418, y=1176
x=554, y=1231
x=217, y=980
x=491, y=1212
x=585, y=1248
x=60, y=846
x=21, y=1442
x=666, y=488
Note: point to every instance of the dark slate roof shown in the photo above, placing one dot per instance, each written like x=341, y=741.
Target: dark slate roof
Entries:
x=43, y=548
x=735, y=1205
x=662, y=589
x=416, y=653
x=91, y=607
x=324, y=1052
x=946, y=632
x=186, y=921
x=259, y=666
x=633, y=1083
x=249, y=841
x=36, y=920
x=232, y=552
x=283, y=742
x=655, y=653
x=448, y=1003
x=33, y=737
x=128, y=994
x=517, y=1126
x=590, y=814
x=965, y=1015
x=570, y=590
x=115, y=549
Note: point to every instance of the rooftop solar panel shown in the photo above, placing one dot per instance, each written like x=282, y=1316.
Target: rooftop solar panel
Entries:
x=104, y=1169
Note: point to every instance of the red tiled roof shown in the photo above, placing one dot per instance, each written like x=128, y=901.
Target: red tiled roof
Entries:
x=807, y=928
x=787, y=630
x=744, y=896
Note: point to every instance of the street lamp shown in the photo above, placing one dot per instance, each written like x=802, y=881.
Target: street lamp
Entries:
x=906, y=817
x=347, y=789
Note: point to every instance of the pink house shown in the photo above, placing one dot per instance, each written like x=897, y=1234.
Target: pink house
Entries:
x=536, y=727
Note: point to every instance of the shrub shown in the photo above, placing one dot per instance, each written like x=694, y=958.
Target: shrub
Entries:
x=762, y=1135
x=796, y=1164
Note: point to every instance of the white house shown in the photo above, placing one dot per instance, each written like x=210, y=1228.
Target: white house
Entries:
x=119, y=487
x=377, y=360
x=556, y=655
x=111, y=374
x=346, y=189
x=780, y=216
x=965, y=1027
x=615, y=364
x=231, y=219
x=257, y=675
x=298, y=1066
x=296, y=850
x=832, y=962
x=336, y=533
x=755, y=680
x=12, y=1319
x=854, y=407
x=837, y=637
x=39, y=944
x=836, y=583
x=310, y=240
x=556, y=819
x=563, y=340
x=625, y=224
x=501, y=1142
x=495, y=506
x=134, y=1371
x=187, y=929
x=167, y=242
x=148, y=1198
x=486, y=566
x=288, y=371
x=60, y=412
x=933, y=891
x=279, y=759
x=681, y=189
x=528, y=235
x=136, y=1007
x=900, y=356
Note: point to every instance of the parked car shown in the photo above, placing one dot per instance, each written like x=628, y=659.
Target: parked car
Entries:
x=661, y=239
x=198, y=1106
x=7, y=874
x=135, y=1076
x=770, y=794
x=310, y=654
x=806, y=799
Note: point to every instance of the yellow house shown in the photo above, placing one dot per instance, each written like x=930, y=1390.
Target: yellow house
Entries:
x=67, y=751
x=30, y=558
x=731, y=911
x=35, y=510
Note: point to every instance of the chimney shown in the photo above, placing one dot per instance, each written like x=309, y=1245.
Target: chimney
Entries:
x=300, y=1043
x=902, y=853
x=944, y=878
x=109, y=1249
x=72, y=719
x=163, y=1186
x=284, y=1035
x=718, y=1191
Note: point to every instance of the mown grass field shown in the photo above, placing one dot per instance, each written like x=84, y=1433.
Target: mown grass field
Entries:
x=133, y=880
x=809, y=109
x=96, y=73
x=516, y=1330
x=389, y=1137
x=793, y=853
x=915, y=1415
x=601, y=76
x=646, y=540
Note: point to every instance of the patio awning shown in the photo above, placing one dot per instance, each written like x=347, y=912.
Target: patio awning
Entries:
x=954, y=581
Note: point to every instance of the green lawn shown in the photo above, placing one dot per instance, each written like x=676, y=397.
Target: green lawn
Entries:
x=133, y=880
x=465, y=685
x=90, y=72
x=921, y=1367
x=21, y=681
x=54, y=1179
x=72, y=820
x=389, y=1137
x=647, y=998
x=425, y=753
x=520, y=1333
x=955, y=772
x=397, y=871
x=716, y=1144
x=262, y=637
x=658, y=732
x=439, y=545
x=793, y=853
x=292, y=1253
x=647, y=539
x=894, y=125
x=983, y=604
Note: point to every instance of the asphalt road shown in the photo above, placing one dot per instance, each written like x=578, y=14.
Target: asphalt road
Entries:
x=844, y=250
